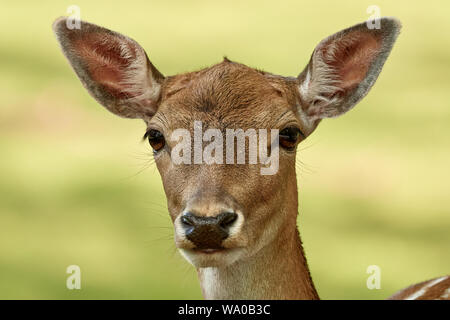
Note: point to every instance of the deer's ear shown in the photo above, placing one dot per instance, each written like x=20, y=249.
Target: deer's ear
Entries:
x=343, y=68
x=113, y=68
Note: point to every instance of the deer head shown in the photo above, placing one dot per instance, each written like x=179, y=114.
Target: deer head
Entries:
x=226, y=213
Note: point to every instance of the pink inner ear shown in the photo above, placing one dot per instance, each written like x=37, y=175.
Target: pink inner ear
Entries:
x=352, y=56
x=105, y=61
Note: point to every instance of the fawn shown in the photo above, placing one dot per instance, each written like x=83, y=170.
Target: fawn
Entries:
x=234, y=224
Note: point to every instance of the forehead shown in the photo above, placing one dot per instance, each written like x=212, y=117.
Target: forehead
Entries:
x=227, y=95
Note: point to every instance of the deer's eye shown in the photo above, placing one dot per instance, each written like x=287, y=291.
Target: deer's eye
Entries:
x=289, y=137
x=156, y=139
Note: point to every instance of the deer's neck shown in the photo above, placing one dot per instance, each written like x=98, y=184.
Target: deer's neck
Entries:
x=277, y=271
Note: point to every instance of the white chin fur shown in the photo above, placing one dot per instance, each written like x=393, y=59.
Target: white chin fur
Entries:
x=217, y=259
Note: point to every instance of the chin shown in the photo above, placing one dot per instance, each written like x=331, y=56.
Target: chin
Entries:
x=212, y=258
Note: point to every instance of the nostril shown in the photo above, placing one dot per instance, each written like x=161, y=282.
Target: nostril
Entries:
x=227, y=219
x=186, y=220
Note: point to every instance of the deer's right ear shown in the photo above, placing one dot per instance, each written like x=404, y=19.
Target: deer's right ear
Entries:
x=113, y=68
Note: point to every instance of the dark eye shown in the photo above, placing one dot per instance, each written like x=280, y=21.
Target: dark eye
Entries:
x=289, y=137
x=156, y=139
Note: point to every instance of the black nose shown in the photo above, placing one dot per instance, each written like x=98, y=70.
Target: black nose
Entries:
x=208, y=232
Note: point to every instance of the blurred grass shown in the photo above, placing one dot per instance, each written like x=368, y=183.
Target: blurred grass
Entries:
x=374, y=186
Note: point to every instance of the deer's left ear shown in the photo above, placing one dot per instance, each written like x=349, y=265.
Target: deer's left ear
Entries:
x=343, y=68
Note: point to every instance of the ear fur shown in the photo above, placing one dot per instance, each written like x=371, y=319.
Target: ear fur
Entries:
x=343, y=68
x=113, y=68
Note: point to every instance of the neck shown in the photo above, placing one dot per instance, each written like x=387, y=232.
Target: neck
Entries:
x=277, y=271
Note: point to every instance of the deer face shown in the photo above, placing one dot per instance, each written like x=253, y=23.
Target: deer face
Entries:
x=225, y=206
x=224, y=210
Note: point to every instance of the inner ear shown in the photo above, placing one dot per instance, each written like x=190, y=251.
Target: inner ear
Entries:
x=108, y=63
x=343, y=68
x=350, y=58
x=114, y=68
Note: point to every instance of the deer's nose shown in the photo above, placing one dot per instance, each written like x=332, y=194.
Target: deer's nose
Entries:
x=208, y=232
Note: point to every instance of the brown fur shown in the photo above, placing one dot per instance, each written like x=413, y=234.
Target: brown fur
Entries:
x=264, y=257
x=438, y=291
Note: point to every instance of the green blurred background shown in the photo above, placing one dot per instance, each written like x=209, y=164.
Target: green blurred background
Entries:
x=77, y=185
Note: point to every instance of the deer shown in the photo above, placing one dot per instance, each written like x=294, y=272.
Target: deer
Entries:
x=236, y=226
